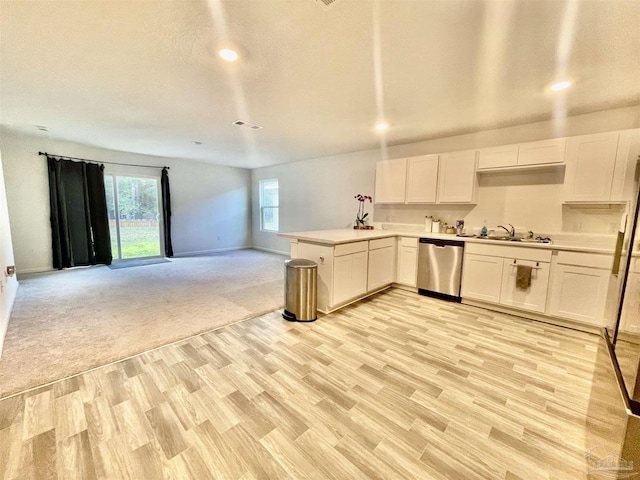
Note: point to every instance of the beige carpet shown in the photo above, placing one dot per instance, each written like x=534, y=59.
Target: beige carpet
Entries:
x=70, y=321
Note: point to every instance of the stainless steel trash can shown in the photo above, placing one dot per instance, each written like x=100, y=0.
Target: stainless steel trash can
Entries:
x=300, y=290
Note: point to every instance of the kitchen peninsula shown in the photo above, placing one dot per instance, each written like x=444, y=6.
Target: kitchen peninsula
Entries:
x=569, y=283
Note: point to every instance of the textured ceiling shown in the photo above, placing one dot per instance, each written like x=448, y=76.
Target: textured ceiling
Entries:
x=144, y=76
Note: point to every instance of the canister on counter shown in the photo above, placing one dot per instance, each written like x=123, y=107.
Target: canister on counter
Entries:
x=428, y=220
x=435, y=226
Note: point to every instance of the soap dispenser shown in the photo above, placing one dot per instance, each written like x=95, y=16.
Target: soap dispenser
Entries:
x=483, y=232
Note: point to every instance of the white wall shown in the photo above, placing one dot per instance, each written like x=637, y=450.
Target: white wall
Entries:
x=318, y=194
x=8, y=285
x=314, y=195
x=210, y=204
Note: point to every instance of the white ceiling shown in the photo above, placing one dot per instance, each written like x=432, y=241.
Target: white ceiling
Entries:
x=144, y=76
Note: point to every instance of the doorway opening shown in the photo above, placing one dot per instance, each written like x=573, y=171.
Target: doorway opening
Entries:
x=135, y=222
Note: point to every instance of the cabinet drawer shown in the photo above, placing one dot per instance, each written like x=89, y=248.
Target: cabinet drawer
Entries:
x=381, y=243
x=581, y=259
x=347, y=248
x=409, y=242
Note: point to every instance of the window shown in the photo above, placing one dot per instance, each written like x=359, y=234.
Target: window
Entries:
x=269, y=205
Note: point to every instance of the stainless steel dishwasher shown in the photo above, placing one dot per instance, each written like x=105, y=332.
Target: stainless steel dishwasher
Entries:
x=440, y=268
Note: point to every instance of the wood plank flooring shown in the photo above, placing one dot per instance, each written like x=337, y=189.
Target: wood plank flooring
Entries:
x=397, y=386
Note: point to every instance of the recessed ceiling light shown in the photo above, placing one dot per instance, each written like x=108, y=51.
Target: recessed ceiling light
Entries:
x=382, y=126
x=228, y=55
x=560, y=85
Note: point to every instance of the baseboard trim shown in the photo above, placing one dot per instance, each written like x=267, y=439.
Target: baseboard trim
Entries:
x=558, y=322
x=270, y=250
x=214, y=250
x=9, y=307
x=34, y=270
x=181, y=254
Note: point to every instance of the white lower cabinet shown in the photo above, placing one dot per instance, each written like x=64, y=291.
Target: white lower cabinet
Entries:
x=580, y=286
x=349, y=271
x=407, y=268
x=349, y=277
x=489, y=274
x=482, y=277
x=564, y=284
x=533, y=298
x=381, y=268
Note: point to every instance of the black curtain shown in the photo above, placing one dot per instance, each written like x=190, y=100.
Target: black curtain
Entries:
x=79, y=222
x=166, y=212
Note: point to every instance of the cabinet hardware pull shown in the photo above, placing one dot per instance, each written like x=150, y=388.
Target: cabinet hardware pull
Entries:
x=537, y=267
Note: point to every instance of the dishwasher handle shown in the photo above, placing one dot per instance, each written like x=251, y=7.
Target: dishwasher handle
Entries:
x=441, y=242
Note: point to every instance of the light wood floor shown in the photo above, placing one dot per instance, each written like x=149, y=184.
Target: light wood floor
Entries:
x=398, y=386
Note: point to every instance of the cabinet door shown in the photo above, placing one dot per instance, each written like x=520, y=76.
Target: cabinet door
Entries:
x=407, y=266
x=533, y=298
x=422, y=179
x=579, y=293
x=457, y=177
x=391, y=179
x=323, y=256
x=380, y=268
x=623, y=187
x=590, y=165
x=349, y=277
x=482, y=277
x=497, y=157
x=543, y=152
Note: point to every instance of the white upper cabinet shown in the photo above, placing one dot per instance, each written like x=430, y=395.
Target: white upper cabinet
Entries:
x=422, y=179
x=391, y=181
x=542, y=153
x=545, y=152
x=591, y=162
x=445, y=178
x=457, y=177
x=622, y=186
x=498, y=157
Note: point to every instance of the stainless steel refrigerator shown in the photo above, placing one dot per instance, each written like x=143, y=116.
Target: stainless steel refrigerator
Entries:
x=622, y=334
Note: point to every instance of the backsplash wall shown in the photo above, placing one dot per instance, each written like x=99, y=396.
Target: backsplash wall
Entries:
x=529, y=201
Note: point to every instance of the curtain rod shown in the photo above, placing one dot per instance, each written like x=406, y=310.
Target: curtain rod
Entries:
x=95, y=161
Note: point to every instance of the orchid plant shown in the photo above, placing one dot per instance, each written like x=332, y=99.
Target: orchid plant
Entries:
x=361, y=215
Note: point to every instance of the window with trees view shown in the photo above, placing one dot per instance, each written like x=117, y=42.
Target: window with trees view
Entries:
x=269, y=205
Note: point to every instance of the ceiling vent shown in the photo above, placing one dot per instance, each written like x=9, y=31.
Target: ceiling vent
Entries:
x=327, y=3
x=240, y=123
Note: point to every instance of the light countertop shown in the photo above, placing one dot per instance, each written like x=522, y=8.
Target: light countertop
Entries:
x=339, y=236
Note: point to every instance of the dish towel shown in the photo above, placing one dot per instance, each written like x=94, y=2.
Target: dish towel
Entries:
x=523, y=277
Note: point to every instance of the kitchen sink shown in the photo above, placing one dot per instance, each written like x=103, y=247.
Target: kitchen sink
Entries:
x=503, y=239
x=512, y=239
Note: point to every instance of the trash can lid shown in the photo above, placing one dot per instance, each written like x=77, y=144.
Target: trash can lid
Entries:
x=300, y=263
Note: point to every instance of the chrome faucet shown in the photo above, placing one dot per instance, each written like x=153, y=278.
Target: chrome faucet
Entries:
x=511, y=231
